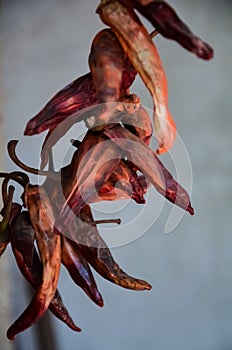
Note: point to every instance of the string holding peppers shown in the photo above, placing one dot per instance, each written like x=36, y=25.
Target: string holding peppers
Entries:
x=112, y=162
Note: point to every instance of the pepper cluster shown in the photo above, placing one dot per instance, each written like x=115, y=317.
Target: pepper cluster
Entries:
x=54, y=224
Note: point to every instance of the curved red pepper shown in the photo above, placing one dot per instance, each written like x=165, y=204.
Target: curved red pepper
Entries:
x=41, y=214
x=79, y=270
x=149, y=164
x=28, y=261
x=94, y=249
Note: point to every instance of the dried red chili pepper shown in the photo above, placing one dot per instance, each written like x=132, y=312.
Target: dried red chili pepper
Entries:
x=106, y=60
x=90, y=244
x=9, y=212
x=77, y=95
x=145, y=159
x=144, y=56
x=84, y=240
x=168, y=23
x=79, y=270
x=10, y=209
x=123, y=183
x=92, y=164
x=28, y=261
x=129, y=103
x=41, y=214
x=23, y=236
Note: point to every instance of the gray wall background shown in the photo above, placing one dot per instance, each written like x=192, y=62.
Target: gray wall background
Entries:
x=44, y=45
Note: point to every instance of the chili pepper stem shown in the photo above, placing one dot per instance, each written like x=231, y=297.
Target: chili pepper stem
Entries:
x=110, y=221
x=153, y=33
x=11, y=150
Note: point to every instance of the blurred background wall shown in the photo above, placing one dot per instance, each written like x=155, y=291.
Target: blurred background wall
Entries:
x=5, y=300
x=44, y=45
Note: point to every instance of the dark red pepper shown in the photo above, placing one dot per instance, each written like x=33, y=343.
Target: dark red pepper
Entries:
x=165, y=19
x=28, y=261
x=96, y=252
x=79, y=270
x=149, y=164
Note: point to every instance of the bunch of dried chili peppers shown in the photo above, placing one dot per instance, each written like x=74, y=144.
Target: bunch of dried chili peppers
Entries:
x=113, y=161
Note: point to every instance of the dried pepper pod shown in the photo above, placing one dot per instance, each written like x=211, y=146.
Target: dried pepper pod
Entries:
x=77, y=95
x=127, y=103
x=98, y=255
x=144, y=56
x=4, y=232
x=23, y=237
x=92, y=164
x=79, y=270
x=9, y=212
x=28, y=261
x=42, y=219
x=168, y=23
x=59, y=310
x=148, y=163
x=123, y=183
x=90, y=244
x=106, y=60
x=106, y=192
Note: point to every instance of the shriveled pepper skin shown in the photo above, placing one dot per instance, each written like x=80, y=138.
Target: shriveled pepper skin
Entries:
x=144, y=56
x=23, y=237
x=42, y=219
x=170, y=25
x=96, y=252
x=15, y=209
x=106, y=60
x=28, y=261
x=79, y=270
x=90, y=171
x=71, y=258
x=123, y=183
x=77, y=95
x=149, y=164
